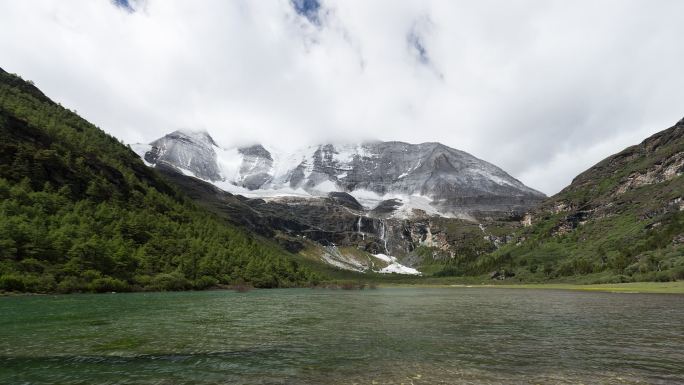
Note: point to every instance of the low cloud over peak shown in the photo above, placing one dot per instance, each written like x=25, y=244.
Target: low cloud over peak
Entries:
x=543, y=89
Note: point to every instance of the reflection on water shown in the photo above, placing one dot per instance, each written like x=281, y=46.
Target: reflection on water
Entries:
x=411, y=336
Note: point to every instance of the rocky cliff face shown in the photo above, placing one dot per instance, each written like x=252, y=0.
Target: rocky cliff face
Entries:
x=624, y=216
x=393, y=177
x=338, y=230
x=621, y=180
x=191, y=152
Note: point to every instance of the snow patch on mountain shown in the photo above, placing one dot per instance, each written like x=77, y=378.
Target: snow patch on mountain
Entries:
x=141, y=149
x=261, y=194
x=430, y=177
x=334, y=257
x=393, y=266
x=229, y=162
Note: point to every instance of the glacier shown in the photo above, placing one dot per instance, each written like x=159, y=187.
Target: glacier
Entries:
x=429, y=178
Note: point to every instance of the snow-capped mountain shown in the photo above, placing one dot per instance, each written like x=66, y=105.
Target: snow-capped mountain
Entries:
x=428, y=176
x=193, y=152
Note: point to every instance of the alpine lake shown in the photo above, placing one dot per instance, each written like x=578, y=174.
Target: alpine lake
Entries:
x=323, y=336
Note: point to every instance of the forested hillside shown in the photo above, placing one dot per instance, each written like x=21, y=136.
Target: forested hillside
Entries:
x=79, y=211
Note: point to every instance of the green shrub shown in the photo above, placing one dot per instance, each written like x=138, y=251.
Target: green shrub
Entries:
x=564, y=269
x=170, y=282
x=91, y=275
x=39, y=283
x=448, y=271
x=205, y=282
x=663, y=276
x=142, y=280
x=31, y=265
x=6, y=266
x=12, y=282
x=677, y=273
x=264, y=281
x=583, y=266
x=108, y=284
x=70, y=284
x=617, y=260
x=620, y=278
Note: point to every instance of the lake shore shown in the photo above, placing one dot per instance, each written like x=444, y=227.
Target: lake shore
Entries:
x=676, y=287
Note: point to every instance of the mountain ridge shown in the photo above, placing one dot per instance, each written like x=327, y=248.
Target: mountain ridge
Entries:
x=622, y=219
x=454, y=181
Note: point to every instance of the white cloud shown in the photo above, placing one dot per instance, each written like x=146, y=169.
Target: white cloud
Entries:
x=543, y=89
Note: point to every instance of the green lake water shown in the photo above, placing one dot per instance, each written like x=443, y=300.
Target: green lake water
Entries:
x=305, y=336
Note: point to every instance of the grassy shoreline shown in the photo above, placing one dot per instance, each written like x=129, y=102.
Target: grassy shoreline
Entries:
x=676, y=287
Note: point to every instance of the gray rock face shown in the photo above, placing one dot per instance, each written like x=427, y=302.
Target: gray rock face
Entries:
x=452, y=181
x=342, y=226
x=451, y=178
x=255, y=167
x=190, y=151
x=345, y=199
x=386, y=208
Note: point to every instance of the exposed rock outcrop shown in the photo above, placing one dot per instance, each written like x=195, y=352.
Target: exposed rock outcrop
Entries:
x=387, y=175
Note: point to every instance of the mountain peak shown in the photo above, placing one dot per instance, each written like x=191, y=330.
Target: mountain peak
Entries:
x=190, y=151
x=449, y=180
x=256, y=150
x=197, y=135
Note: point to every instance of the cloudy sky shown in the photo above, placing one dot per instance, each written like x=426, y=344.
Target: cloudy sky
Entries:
x=543, y=89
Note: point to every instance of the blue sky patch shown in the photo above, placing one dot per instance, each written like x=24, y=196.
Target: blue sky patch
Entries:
x=418, y=47
x=308, y=9
x=124, y=4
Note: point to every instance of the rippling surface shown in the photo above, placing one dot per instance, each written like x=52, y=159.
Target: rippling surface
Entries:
x=304, y=336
